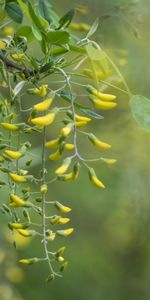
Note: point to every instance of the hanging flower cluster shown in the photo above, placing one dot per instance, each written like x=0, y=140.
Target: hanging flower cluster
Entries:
x=23, y=75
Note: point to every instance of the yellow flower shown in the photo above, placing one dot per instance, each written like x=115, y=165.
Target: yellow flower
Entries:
x=81, y=124
x=17, y=225
x=3, y=45
x=74, y=26
x=69, y=146
x=66, y=177
x=13, y=154
x=26, y=233
x=60, y=251
x=63, y=221
x=28, y=261
x=64, y=167
x=104, y=105
x=45, y=120
x=18, y=178
x=8, y=30
x=44, y=105
x=109, y=161
x=62, y=208
x=100, y=95
x=95, y=180
x=11, y=127
x=98, y=143
x=65, y=232
x=16, y=201
x=43, y=188
x=18, y=56
x=65, y=131
x=55, y=156
x=82, y=118
x=42, y=90
x=59, y=220
x=53, y=144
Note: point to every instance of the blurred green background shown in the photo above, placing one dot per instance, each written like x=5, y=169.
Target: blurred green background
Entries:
x=109, y=252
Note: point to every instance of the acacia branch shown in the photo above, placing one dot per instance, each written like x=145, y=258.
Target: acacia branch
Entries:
x=10, y=64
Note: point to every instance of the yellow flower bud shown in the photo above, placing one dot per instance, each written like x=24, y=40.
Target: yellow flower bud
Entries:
x=43, y=188
x=10, y=127
x=63, y=221
x=26, y=233
x=44, y=105
x=65, y=131
x=64, y=167
x=65, y=232
x=98, y=143
x=66, y=177
x=60, y=251
x=8, y=31
x=17, y=225
x=16, y=201
x=69, y=146
x=62, y=208
x=13, y=154
x=53, y=144
x=82, y=118
x=109, y=161
x=60, y=258
x=64, y=266
x=3, y=45
x=18, y=178
x=81, y=124
x=28, y=261
x=95, y=180
x=59, y=220
x=104, y=105
x=45, y=120
x=50, y=235
x=18, y=56
x=55, y=156
x=100, y=95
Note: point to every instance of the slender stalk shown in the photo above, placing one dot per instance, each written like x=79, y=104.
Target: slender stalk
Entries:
x=43, y=205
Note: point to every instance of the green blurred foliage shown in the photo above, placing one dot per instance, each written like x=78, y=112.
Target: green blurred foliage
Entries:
x=109, y=253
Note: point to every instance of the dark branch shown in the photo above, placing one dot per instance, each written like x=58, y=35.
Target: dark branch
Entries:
x=10, y=64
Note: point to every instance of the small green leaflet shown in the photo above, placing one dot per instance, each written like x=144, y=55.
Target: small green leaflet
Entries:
x=140, y=108
x=58, y=37
x=14, y=11
x=66, y=19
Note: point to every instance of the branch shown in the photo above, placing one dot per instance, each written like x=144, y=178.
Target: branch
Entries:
x=10, y=64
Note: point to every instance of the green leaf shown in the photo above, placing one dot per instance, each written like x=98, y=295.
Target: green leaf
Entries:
x=24, y=7
x=35, y=19
x=58, y=37
x=92, y=114
x=25, y=31
x=66, y=19
x=14, y=11
x=36, y=33
x=18, y=88
x=93, y=28
x=140, y=108
x=44, y=10
x=77, y=49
